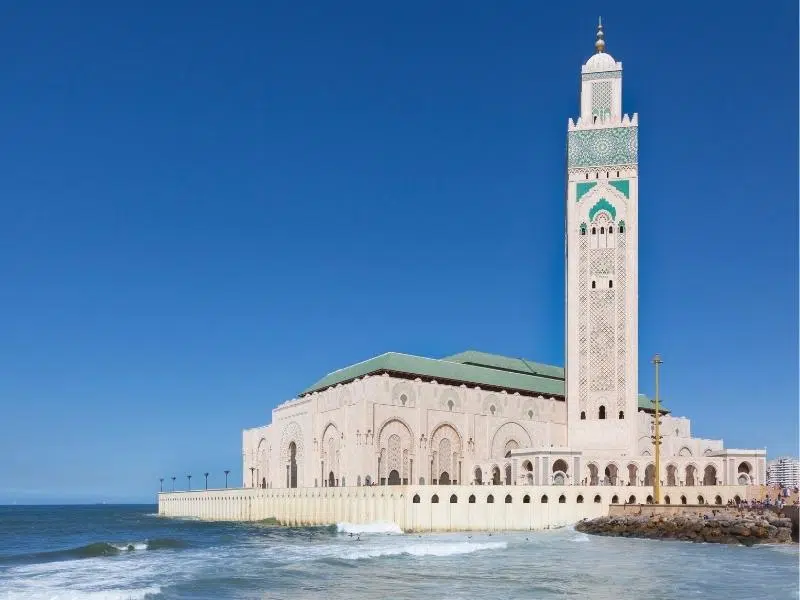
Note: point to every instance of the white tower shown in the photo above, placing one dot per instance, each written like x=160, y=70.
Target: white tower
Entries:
x=602, y=264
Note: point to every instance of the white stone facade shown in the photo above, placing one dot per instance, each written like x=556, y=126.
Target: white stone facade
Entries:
x=530, y=424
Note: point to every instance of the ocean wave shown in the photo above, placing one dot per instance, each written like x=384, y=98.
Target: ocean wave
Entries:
x=437, y=549
x=113, y=594
x=363, y=528
x=93, y=550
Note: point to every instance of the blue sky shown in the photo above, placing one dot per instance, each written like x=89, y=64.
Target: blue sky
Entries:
x=207, y=207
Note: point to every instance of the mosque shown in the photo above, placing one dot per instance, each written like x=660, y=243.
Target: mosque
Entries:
x=482, y=419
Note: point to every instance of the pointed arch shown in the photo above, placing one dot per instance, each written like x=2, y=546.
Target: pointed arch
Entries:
x=508, y=432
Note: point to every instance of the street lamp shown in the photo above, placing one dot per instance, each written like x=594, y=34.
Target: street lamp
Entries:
x=173, y=483
x=206, y=474
x=657, y=438
x=189, y=477
x=226, y=479
x=252, y=481
x=160, y=484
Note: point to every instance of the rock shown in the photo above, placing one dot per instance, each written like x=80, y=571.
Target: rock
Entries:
x=746, y=529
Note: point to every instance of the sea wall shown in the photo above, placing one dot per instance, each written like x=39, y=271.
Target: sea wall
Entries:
x=423, y=508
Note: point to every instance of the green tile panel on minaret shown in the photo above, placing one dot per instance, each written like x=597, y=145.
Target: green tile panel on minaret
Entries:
x=605, y=147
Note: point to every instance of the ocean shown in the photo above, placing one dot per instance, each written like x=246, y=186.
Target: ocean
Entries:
x=110, y=552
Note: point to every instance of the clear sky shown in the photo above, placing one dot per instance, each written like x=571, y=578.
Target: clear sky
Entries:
x=208, y=206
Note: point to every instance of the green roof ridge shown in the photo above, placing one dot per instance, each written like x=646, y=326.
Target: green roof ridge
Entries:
x=445, y=369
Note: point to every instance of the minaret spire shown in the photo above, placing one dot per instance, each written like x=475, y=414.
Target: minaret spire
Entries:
x=600, y=44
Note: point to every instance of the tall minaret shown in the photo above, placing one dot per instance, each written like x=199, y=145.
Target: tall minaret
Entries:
x=602, y=264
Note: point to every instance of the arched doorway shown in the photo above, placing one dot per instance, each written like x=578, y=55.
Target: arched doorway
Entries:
x=478, y=476
x=611, y=475
x=743, y=477
x=496, y=476
x=633, y=474
x=649, y=475
x=291, y=468
x=710, y=475
x=527, y=467
x=672, y=475
x=394, y=477
x=690, y=475
x=444, y=478
x=594, y=476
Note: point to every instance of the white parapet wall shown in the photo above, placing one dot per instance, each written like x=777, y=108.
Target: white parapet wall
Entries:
x=429, y=507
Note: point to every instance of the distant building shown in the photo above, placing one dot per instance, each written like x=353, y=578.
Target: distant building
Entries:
x=784, y=471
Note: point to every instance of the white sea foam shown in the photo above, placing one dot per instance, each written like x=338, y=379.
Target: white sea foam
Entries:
x=115, y=594
x=129, y=547
x=420, y=549
x=364, y=528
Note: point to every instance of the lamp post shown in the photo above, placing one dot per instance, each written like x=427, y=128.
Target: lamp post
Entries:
x=173, y=483
x=206, y=474
x=252, y=481
x=657, y=439
x=226, y=479
x=189, y=477
x=160, y=484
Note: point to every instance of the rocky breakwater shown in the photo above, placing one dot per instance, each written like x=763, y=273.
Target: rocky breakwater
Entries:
x=726, y=528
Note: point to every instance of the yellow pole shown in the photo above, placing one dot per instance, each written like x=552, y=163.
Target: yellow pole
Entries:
x=657, y=441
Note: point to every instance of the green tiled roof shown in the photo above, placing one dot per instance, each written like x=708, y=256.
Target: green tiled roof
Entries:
x=470, y=367
x=647, y=404
x=505, y=363
x=446, y=370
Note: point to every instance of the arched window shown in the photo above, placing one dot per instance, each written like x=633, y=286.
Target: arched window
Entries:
x=615, y=499
x=435, y=499
x=526, y=499
x=667, y=500
x=611, y=229
x=621, y=414
x=602, y=230
x=717, y=499
x=701, y=500
x=472, y=499
x=683, y=499
x=562, y=499
x=621, y=228
x=602, y=412
x=416, y=499
x=594, y=230
x=597, y=499
x=453, y=499
x=579, y=499
x=610, y=283
x=583, y=415
x=490, y=499
x=632, y=499
x=292, y=466
x=594, y=284
x=450, y=404
x=508, y=499
x=649, y=500
x=583, y=230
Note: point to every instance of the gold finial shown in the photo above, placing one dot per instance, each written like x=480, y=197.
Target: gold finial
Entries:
x=600, y=44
